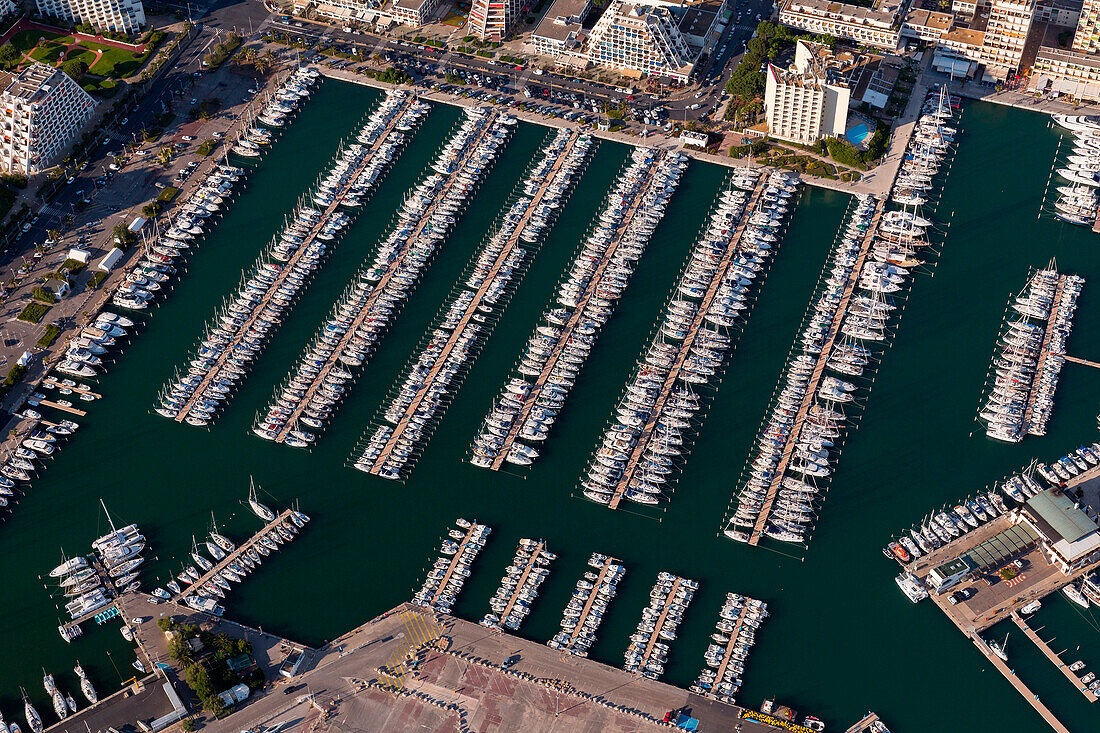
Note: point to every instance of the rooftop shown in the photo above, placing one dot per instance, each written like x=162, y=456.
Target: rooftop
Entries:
x=963, y=37
x=884, y=13
x=30, y=82
x=1060, y=515
x=1063, y=56
x=930, y=19
x=562, y=19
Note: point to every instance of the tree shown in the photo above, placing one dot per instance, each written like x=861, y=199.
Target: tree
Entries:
x=8, y=54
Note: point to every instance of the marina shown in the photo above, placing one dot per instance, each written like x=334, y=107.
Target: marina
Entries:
x=1054, y=658
x=520, y=585
x=586, y=608
x=637, y=454
x=235, y=337
x=424, y=392
x=346, y=340
x=648, y=650
x=445, y=580
x=599, y=274
x=738, y=621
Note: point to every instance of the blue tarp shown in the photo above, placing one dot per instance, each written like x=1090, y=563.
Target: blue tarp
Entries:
x=687, y=723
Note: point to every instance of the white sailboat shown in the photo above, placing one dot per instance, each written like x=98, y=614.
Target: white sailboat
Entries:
x=85, y=685
x=260, y=510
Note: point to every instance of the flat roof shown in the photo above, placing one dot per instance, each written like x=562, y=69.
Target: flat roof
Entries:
x=930, y=19
x=1060, y=515
x=1074, y=58
x=965, y=36
x=30, y=81
x=410, y=4
x=884, y=12
x=562, y=19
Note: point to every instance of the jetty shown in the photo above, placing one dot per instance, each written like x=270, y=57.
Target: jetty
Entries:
x=576, y=632
x=79, y=389
x=521, y=586
x=260, y=308
x=1054, y=658
x=727, y=656
x=108, y=585
x=1031, y=697
x=1083, y=362
x=863, y=724
x=230, y=557
x=64, y=408
x=1044, y=355
x=809, y=398
x=576, y=316
x=459, y=331
x=659, y=624
x=456, y=558
x=655, y=413
x=367, y=310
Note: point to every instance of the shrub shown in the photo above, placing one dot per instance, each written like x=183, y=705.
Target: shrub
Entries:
x=50, y=334
x=44, y=295
x=33, y=312
x=15, y=180
x=14, y=375
x=207, y=147
x=97, y=279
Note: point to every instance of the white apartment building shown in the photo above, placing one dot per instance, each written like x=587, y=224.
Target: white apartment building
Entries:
x=1005, y=36
x=122, y=16
x=490, y=20
x=1087, y=37
x=926, y=25
x=878, y=26
x=43, y=111
x=413, y=13
x=7, y=6
x=560, y=33
x=802, y=104
x=641, y=39
x=1072, y=73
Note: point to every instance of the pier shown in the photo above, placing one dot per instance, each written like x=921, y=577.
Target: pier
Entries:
x=230, y=557
x=863, y=724
x=660, y=623
x=1031, y=697
x=521, y=585
x=733, y=249
x=455, y=562
x=1044, y=354
x=808, y=400
x=578, y=311
x=1083, y=362
x=471, y=308
x=69, y=409
x=575, y=633
x=109, y=589
x=52, y=382
x=1054, y=658
x=261, y=307
x=728, y=654
x=367, y=310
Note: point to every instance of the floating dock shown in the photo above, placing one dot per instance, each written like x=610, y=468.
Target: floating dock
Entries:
x=1031, y=697
x=587, y=610
x=288, y=267
x=659, y=624
x=52, y=382
x=471, y=532
x=69, y=409
x=575, y=318
x=472, y=307
x=814, y=382
x=732, y=250
x=1049, y=653
x=727, y=657
x=1044, y=354
x=196, y=587
x=864, y=724
x=521, y=584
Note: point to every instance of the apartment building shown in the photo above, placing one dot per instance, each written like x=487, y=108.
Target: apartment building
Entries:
x=926, y=25
x=803, y=104
x=560, y=33
x=490, y=20
x=1087, y=37
x=121, y=16
x=639, y=39
x=413, y=13
x=43, y=111
x=1072, y=73
x=878, y=26
x=1006, y=34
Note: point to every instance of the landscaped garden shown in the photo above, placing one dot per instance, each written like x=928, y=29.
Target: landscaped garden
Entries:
x=96, y=66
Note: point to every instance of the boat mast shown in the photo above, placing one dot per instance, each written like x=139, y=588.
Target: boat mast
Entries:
x=108, y=515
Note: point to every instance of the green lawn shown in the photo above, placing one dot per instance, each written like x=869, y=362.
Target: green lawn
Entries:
x=81, y=54
x=98, y=86
x=47, y=53
x=26, y=40
x=115, y=62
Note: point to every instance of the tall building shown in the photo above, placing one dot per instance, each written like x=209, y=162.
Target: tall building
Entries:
x=878, y=25
x=122, y=16
x=490, y=20
x=43, y=111
x=640, y=38
x=803, y=104
x=1087, y=37
x=1006, y=34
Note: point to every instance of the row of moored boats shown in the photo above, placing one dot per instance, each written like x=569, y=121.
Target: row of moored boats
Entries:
x=647, y=653
x=451, y=569
x=733, y=638
x=520, y=586
x=1080, y=169
x=586, y=608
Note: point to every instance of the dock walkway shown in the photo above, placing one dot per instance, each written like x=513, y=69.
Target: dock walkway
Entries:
x=471, y=308
x=64, y=408
x=394, y=266
x=1044, y=354
x=1031, y=697
x=727, y=656
x=660, y=623
x=454, y=564
x=1049, y=653
x=289, y=266
x=863, y=724
x=532, y=563
x=604, y=569
x=809, y=399
x=578, y=313
x=196, y=587
x=52, y=382
x=733, y=249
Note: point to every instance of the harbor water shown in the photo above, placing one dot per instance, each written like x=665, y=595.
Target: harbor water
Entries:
x=841, y=638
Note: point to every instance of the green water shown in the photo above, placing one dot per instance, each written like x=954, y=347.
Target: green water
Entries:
x=841, y=638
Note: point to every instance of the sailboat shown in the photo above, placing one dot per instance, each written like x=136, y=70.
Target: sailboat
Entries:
x=85, y=685
x=999, y=649
x=34, y=720
x=261, y=511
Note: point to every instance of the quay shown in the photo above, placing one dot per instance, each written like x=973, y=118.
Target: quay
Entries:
x=863, y=724
x=809, y=398
x=659, y=624
x=52, y=382
x=367, y=310
x=733, y=248
x=604, y=570
x=575, y=317
x=1044, y=354
x=1049, y=654
x=727, y=656
x=69, y=409
x=519, y=588
x=289, y=266
x=196, y=587
x=471, y=308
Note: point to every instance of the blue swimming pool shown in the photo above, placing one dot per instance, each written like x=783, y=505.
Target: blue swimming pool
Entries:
x=857, y=134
